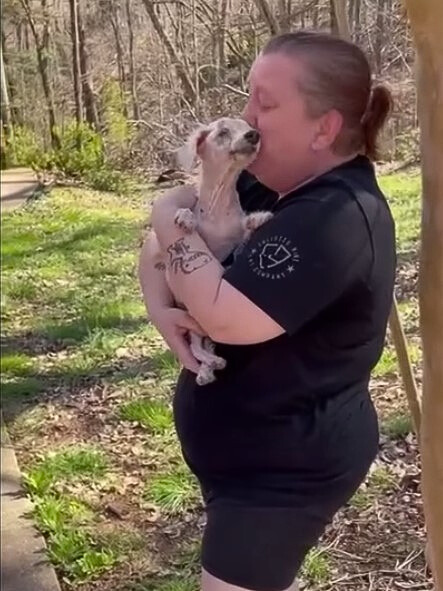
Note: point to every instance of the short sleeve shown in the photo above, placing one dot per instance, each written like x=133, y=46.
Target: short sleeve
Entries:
x=304, y=258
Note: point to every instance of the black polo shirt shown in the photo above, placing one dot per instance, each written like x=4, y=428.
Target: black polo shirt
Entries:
x=323, y=267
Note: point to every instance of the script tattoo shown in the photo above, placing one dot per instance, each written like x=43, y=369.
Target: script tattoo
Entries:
x=183, y=258
x=160, y=266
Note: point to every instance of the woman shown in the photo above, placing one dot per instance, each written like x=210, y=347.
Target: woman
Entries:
x=286, y=434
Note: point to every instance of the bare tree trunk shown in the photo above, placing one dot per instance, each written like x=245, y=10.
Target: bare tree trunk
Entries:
x=284, y=16
x=132, y=73
x=356, y=18
x=114, y=20
x=427, y=27
x=185, y=79
x=42, y=47
x=268, y=15
x=379, y=34
x=88, y=94
x=6, y=115
x=339, y=19
x=221, y=39
x=11, y=89
x=73, y=6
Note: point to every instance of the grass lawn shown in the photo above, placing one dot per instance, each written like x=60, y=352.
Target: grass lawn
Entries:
x=86, y=385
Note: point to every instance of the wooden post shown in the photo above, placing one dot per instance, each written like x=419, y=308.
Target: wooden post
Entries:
x=426, y=20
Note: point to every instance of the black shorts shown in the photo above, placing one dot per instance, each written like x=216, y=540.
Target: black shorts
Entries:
x=258, y=548
x=258, y=533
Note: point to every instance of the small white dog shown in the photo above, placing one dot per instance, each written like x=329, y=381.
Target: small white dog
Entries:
x=224, y=147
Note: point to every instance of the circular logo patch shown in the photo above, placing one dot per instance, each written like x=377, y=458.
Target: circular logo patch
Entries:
x=274, y=257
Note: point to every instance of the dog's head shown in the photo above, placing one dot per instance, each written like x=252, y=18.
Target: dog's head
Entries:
x=221, y=143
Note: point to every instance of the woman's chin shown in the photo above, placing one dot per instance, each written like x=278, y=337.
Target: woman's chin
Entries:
x=253, y=167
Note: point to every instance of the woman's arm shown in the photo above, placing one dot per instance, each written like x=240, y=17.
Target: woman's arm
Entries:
x=196, y=279
x=291, y=269
x=171, y=322
x=151, y=273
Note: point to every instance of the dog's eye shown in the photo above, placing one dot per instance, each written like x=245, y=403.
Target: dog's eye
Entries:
x=224, y=132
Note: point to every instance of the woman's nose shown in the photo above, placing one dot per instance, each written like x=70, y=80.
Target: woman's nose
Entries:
x=249, y=115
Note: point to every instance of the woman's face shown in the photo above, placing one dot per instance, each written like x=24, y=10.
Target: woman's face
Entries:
x=290, y=139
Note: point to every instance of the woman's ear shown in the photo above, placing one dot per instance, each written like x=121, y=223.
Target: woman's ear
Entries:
x=330, y=125
x=187, y=154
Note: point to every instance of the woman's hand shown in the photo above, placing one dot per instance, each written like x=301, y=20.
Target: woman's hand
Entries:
x=166, y=206
x=174, y=325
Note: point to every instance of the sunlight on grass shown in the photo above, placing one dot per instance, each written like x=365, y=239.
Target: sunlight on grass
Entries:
x=166, y=364
x=75, y=553
x=70, y=464
x=16, y=364
x=95, y=315
x=403, y=194
x=151, y=414
x=388, y=361
x=53, y=513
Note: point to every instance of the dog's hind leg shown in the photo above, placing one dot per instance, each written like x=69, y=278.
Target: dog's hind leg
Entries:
x=203, y=350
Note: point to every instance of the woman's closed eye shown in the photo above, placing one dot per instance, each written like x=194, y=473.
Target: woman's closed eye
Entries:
x=267, y=106
x=266, y=103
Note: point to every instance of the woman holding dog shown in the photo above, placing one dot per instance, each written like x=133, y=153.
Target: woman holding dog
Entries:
x=286, y=434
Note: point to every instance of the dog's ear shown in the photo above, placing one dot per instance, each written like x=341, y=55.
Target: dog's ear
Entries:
x=187, y=154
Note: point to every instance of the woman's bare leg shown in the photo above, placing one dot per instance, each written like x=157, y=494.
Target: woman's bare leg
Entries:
x=211, y=583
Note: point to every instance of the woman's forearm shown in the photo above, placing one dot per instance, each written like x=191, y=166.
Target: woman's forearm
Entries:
x=152, y=277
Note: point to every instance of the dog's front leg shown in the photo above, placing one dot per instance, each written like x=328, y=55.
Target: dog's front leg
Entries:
x=185, y=220
x=253, y=221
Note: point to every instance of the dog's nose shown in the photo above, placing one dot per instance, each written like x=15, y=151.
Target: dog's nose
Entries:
x=252, y=137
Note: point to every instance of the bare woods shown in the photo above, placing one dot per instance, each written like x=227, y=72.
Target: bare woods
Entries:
x=141, y=71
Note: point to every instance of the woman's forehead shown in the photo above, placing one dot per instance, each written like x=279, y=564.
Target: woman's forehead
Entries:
x=274, y=72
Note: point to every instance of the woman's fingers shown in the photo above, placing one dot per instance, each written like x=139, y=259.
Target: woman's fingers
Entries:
x=189, y=323
x=180, y=346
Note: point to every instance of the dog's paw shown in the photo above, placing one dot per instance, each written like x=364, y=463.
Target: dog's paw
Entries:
x=205, y=376
x=217, y=362
x=256, y=219
x=185, y=220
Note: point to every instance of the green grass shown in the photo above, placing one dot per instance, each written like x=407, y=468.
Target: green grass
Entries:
x=20, y=387
x=388, y=362
x=397, y=425
x=165, y=364
x=69, y=464
x=70, y=292
x=169, y=584
x=174, y=492
x=75, y=553
x=403, y=193
x=152, y=414
x=16, y=364
x=66, y=521
x=53, y=513
x=316, y=568
x=380, y=482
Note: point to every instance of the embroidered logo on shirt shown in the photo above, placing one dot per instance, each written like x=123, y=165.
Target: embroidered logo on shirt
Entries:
x=274, y=257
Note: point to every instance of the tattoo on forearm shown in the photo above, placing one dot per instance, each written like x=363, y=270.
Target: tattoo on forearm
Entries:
x=184, y=259
x=160, y=266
